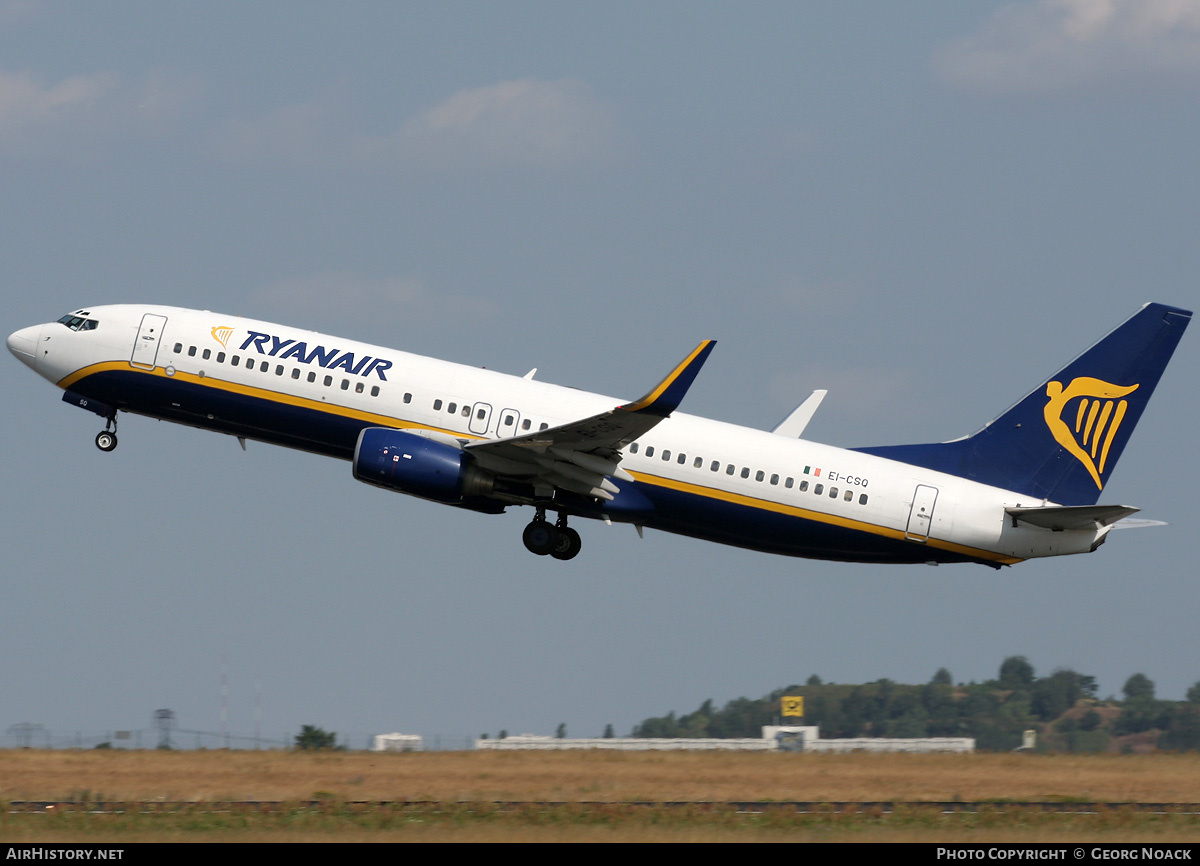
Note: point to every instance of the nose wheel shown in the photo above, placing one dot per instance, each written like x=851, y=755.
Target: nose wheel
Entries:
x=106, y=439
x=558, y=540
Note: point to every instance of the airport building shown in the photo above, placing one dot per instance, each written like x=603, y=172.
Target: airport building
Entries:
x=787, y=738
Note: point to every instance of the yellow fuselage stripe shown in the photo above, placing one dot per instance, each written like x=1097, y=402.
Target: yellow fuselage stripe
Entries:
x=817, y=516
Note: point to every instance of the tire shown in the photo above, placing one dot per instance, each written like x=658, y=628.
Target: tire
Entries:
x=568, y=544
x=539, y=537
x=106, y=441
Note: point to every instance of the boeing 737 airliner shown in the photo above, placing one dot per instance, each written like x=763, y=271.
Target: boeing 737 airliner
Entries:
x=1026, y=485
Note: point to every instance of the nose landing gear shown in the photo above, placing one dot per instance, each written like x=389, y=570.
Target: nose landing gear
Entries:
x=106, y=439
x=559, y=540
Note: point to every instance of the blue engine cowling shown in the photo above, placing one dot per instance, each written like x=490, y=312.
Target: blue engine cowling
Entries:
x=418, y=466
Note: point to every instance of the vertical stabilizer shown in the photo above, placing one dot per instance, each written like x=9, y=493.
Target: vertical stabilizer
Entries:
x=1063, y=440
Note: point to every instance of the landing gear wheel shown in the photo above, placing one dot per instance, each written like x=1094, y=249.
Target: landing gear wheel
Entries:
x=106, y=441
x=567, y=545
x=540, y=537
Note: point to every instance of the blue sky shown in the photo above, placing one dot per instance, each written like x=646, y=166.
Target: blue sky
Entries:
x=923, y=207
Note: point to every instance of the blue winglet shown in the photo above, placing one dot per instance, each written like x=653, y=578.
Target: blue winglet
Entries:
x=666, y=396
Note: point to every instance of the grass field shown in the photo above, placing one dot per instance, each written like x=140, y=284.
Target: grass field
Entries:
x=466, y=785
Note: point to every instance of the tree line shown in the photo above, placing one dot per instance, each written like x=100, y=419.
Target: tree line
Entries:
x=1062, y=707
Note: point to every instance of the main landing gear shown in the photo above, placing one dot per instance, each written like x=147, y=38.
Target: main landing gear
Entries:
x=106, y=439
x=558, y=540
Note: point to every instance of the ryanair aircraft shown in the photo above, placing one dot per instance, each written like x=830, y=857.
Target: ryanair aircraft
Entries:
x=1024, y=486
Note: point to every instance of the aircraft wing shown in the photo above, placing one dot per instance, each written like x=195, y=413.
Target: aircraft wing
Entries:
x=581, y=455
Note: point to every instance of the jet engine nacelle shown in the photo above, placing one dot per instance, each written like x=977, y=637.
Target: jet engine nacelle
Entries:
x=418, y=466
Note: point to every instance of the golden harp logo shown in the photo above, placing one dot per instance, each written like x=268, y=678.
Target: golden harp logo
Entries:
x=1096, y=419
x=222, y=335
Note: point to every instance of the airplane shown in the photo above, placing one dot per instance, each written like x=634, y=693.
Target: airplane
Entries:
x=1024, y=486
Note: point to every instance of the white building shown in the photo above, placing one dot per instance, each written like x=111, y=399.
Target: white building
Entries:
x=397, y=743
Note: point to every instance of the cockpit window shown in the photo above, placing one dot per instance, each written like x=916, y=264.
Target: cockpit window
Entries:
x=78, y=322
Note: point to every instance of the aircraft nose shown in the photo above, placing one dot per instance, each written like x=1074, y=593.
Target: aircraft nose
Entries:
x=23, y=344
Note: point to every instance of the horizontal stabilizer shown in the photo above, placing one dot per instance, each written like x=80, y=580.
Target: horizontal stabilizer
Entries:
x=1060, y=517
x=793, y=425
x=1138, y=523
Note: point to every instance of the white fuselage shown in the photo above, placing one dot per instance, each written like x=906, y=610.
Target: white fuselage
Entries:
x=705, y=478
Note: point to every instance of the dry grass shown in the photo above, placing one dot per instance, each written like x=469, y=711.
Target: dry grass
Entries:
x=591, y=776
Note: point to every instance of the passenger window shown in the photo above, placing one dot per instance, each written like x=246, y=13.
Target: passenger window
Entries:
x=295, y=372
x=833, y=493
x=191, y=351
x=759, y=475
x=682, y=459
x=508, y=419
x=849, y=497
x=437, y=405
x=279, y=369
x=452, y=408
x=819, y=489
x=649, y=450
x=729, y=470
x=178, y=348
x=666, y=454
x=774, y=479
x=803, y=486
x=220, y=357
x=698, y=463
x=745, y=471
x=207, y=354
x=328, y=381
x=264, y=367
x=525, y=424
x=478, y=414
x=345, y=384
x=249, y=363
x=716, y=464
x=862, y=499
x=633, y=448
x=543, y=426
x=359, y=387
x=374, y=390
x=788, y=482
x=236, y=360
x=408, y=398
x=312, y=377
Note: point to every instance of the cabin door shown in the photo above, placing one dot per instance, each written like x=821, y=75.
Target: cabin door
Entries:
x=145, y=345
x=921, y=515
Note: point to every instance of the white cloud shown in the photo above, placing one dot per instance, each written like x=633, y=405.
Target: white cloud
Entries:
x=344, y=297
x=77, y=113
x=526, y=123
x=25, y=102
x=1050, y=45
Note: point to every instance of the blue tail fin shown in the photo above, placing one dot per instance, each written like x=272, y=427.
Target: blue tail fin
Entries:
x=1063, y=440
